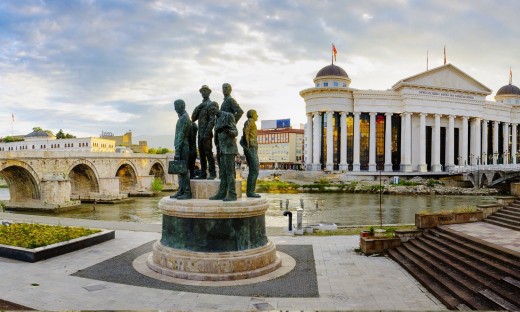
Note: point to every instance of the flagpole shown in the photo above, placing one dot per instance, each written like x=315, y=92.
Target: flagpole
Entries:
x=426, y=59
x=12, y=124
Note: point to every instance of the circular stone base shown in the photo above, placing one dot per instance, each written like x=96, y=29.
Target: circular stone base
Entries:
x=214, y=266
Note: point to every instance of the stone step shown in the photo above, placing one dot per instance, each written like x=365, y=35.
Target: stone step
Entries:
x=504, y=304
x=460, y=287
x=510, y=211
x=422, y=276
x=485, y=269
x=508, y=261
x=506, y=218
x=474, y=273
x=509, y=226
x=514, y=206
x=508, y=215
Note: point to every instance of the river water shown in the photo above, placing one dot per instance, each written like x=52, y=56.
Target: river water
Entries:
x=340, y=208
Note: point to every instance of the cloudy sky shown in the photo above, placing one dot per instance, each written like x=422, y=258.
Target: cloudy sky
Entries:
x=116, y=65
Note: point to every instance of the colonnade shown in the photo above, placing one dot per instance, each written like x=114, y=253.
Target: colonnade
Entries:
x=475, y=144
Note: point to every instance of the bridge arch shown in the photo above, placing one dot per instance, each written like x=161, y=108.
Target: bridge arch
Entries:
x=22, y=179
x=157, y=170
x=84, y=178
x=127, y=174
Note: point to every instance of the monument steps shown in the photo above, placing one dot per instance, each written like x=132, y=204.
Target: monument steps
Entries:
x=508, y=217
x=461, y=271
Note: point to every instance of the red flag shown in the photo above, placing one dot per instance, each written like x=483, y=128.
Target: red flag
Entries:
x=334, y=51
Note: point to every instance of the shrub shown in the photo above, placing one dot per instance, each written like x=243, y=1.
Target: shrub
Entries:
x=37, y=235
x=157, y=185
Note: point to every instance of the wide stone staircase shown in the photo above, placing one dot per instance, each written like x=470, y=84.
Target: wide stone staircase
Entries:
x=463, y=272
x=508, y=217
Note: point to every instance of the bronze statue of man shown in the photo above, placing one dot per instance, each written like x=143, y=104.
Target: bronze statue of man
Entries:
x=226, y=131
x=250, y=146
x=193, y=149
x=182, y=148
x=206, y=119
x=229, y=105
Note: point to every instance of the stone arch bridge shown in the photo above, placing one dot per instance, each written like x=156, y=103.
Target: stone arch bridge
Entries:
x=54, y=180
x=488, y=175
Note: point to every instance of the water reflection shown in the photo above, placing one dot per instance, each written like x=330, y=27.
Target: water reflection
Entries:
x=343, y=209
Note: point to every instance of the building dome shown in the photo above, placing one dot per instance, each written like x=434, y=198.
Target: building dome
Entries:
x=38, y=134
x=509, y=89
x=332, y=70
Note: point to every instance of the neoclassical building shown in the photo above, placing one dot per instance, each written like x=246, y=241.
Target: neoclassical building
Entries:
x=429, y=122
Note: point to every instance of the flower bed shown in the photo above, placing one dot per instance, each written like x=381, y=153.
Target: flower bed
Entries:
x=34, y=242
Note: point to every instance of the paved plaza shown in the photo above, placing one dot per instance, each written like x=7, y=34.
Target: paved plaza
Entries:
x=345, y=279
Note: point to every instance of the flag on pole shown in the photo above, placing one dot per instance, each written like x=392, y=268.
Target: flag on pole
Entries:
x=510, y=76
x=334, y=51
x=445, y=55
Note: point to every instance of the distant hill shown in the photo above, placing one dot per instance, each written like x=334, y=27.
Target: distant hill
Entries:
x=165, y=140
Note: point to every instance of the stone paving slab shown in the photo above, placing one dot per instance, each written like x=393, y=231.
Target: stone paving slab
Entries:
x=501, y=236
x=346, y=280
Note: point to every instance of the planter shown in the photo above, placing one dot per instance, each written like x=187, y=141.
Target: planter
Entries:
x=49, y=251
x=427, y=221
x=371, y=245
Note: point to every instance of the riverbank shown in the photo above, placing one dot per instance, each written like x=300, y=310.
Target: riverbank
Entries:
x=312, y=182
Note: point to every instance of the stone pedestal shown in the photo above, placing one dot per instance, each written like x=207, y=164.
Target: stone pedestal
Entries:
x=213, y=240
x=204, y=189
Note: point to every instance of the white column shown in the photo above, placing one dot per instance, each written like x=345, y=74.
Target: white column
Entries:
x=310, y=146
x=464, y=142
x=475, y=141
x=505, y=142
x=495, y=142
x=343, y=143
x=406, y=166
x=316, y=153
x=372, y=145
x=422, y=167
x=514, y=148
x=330, y=142
x=388, y=142
x=484, y=155
x=450, y=162
x=436, y=153
x=357, y=137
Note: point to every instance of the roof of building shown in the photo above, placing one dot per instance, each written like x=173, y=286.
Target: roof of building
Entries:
x=38, y=134
x=509, y=89
x=332, y=70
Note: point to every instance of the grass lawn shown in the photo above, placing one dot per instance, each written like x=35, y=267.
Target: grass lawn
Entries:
x=38, y=235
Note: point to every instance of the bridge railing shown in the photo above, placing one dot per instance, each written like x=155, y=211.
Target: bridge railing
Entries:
x=475, y=168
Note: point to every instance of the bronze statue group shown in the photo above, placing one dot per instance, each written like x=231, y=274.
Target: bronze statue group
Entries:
x=219, y=124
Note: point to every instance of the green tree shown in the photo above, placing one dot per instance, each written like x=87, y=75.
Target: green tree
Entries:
x=152, y=150
x=63, y=135
x=60, y=134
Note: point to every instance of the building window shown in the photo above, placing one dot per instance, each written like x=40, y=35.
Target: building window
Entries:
x=380, y=141
x=364, y=142
x=317, y=85
x=336, y=84
x=344, y=85
x=325, y=84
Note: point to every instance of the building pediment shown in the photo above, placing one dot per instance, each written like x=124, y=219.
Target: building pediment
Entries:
x=446, y=77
